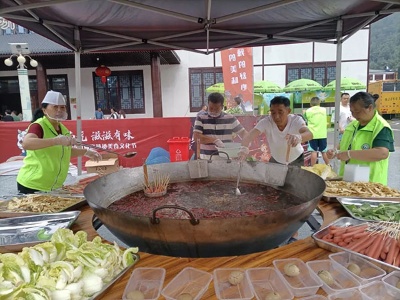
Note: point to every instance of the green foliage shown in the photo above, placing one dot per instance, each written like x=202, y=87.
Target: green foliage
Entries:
x=385, y=43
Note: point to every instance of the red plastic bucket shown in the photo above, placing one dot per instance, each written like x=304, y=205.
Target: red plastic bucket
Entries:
x=179, y=148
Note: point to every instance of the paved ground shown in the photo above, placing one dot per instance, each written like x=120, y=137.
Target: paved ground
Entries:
x=8, y=184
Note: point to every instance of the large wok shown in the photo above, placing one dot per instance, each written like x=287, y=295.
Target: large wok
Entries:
x=210, y=237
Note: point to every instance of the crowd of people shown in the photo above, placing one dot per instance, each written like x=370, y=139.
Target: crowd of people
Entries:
x=11, y=116
x=365, y=137
x=98, y=114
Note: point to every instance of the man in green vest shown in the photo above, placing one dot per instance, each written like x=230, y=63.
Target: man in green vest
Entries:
x=316, y=122
x=367, y=140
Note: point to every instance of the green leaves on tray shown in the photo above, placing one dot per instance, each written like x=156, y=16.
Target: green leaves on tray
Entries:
x=382, y=212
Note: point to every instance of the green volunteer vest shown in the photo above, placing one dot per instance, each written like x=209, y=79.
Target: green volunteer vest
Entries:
x=362, y=140
x=316, y=121
x=46, y=169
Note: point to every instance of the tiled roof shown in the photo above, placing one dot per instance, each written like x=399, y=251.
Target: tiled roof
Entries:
x=36, y=43
x=53, y=56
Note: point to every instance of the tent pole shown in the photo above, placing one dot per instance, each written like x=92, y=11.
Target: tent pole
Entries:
x=338, y=83
x=78, y=104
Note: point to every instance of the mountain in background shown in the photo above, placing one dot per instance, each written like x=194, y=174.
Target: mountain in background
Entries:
x=385, y=43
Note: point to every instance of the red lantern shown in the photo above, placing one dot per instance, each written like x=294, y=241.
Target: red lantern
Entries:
x=103, y=72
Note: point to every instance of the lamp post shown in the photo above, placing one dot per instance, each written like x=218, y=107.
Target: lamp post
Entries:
x=23, y=81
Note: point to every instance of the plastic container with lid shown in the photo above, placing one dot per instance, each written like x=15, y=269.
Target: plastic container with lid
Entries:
x=380, y=290
x=232, y=283
x=392, y=279
x=368, y=271
x=190, y=282
x=305, y=284
x=265, y=281
x=351, y=294
x=342, y=279
x=145, y=281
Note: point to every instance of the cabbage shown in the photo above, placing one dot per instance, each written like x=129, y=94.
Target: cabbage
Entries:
x=67, y=267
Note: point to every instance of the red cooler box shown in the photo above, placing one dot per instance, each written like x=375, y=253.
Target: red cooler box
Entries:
x=179, y=148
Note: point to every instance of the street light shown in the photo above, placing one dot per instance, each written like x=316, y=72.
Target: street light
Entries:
x=21, y=59
x=21, y=51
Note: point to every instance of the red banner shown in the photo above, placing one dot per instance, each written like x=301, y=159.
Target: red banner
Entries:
x=237, y=68
x=125, y=135
x=139, y=135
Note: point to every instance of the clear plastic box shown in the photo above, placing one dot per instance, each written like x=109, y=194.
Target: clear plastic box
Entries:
x=266, y=280
x=190, y=281
x=369, y=271
x=314, y=297
x=351, y=294
x=392, y=279
x=306, y=284
x=148, y=281
x=225, y=290
x=380, y=290
x=342, y=279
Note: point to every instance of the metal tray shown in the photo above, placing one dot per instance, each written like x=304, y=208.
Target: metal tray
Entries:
x=99, y=294
x=359, y=201
x=347, y=221
x=19, y=232
x=6, y=213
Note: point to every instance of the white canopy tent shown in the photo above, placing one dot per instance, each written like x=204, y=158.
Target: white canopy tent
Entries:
x=206, y=26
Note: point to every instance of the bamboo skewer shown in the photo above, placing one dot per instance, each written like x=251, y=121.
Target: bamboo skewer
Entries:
x=159, y=183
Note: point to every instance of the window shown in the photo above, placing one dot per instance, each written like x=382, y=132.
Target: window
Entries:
x=321, y=73
x=199, y=80
x=123, y=90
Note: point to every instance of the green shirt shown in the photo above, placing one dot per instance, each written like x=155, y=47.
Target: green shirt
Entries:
x=316, y=121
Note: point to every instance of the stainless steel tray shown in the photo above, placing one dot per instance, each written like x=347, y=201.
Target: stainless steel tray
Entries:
x=19, y=232
x=99, y=294
x=360, y=201
x=342, y=222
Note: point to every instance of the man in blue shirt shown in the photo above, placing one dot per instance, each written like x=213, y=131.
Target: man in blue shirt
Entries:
x=99, y=114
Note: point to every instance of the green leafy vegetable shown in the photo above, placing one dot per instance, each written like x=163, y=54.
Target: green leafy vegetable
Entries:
x=382, y=212
x=67, y=267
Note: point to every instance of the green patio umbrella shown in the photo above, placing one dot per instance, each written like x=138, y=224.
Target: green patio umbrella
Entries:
x=216, y=88
x=346, y=83
x=303, y=85
x=265, y=86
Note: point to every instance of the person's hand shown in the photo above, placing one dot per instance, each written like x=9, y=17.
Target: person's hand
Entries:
x=243, y=152
x=63, y=140
x=219, y=143
x=331, y=153
x=93, y=155
x=293, y=139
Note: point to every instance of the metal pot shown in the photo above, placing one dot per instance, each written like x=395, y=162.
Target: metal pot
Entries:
x=208, y=237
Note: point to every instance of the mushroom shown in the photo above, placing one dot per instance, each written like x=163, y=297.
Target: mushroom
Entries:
x=273, y=296
x=354, y=268
x=235, y=277
x=291, y=270
x=326, y=277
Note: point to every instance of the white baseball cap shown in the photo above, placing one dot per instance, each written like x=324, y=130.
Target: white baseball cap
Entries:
x=54, y=98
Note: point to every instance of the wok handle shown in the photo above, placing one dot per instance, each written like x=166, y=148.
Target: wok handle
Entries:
x=217, y=153
x=155, y=220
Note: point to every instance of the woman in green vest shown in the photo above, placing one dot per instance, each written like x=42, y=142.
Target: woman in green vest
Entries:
x=367, y=140
x=49, y=148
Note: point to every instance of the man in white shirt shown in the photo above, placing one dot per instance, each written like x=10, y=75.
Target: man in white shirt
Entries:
x=282, y=130
x=345, y=116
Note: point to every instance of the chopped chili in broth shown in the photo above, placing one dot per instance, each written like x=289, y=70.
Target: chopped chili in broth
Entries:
x=208, y=199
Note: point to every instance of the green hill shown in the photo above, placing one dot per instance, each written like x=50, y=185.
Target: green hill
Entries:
x=385, y=43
